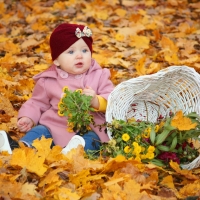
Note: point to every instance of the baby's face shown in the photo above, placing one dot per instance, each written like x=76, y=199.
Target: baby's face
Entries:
x=76, y=59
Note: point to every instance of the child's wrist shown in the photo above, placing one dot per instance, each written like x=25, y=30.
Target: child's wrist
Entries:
x=95, y=102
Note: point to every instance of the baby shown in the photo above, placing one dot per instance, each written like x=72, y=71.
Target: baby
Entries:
x=74, y=67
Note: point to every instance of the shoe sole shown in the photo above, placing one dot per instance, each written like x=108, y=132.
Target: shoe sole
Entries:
x=73, y=143
x=5, y=146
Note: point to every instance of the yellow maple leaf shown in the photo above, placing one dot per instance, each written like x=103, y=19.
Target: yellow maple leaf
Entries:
x=171, y=57
x=187, y=173
x=102, y=14
x=182, y=123
x=65, y=193
x=3, y=38
x=113, y=192
x=51, y=177
x=139, y=42
x=55, y=155
x=168, y=181
x=79, y=178
x=191, y=189
x=119, y=37
x=186, y=28
x=120, y=12
x=40, y=67
x=29, y=159
x=168, y=44
x=130, y=186
x=43, y=146
x=39, y=27
x=59, y=5
x=9, y=46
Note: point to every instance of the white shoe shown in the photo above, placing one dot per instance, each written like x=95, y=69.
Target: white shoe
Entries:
x=4, y=142
x=73, y=143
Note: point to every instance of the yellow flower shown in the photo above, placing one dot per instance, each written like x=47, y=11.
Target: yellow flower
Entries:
x=182, y=123
x=61, y=106
x=112, y=142
x=70, y=130
x=89, y=128
x=137, y=158
x=137, y=149
x=147, y=132
x=142, y=149
x=151, y=149
x=150, y=155
x=65, y=88
x=60, y=113
x=60, y=103
x=135, y=144
x=143, y=156
x=127, y=149
x=70, y=126
x=132, y=119
x=125, y=137
x=79, y=90
x=69, y=115
x=156, y=128
x=137, y=138
x=161, y=124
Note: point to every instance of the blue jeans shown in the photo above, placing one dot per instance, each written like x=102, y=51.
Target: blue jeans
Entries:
x=92, y=140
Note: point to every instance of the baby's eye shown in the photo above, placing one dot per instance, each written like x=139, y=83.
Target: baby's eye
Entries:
x=85, y=50
x=71, y=52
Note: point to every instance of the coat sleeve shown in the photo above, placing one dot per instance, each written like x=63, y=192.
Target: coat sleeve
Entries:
x=105, y=84
x=37, y=104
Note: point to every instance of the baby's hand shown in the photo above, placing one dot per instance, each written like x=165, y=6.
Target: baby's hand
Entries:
x=24, y=124
x=90, y=92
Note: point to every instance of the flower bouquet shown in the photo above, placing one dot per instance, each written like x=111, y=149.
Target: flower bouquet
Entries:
x=76, y=107
x=170, y=138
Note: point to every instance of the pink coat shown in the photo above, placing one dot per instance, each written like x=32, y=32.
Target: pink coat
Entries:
x=42, y=107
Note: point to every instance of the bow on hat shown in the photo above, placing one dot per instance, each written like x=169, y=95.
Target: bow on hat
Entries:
x=86, y=32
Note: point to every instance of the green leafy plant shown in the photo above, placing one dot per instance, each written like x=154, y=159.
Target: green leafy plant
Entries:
x=76, y=107
x=158, y=143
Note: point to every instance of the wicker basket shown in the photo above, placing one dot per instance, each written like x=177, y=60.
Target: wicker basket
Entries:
x=149, y=96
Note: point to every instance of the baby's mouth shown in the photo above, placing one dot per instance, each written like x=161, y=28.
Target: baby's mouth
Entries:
x=80, y=64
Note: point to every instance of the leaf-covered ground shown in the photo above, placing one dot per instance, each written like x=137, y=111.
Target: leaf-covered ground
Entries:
x=131, y=38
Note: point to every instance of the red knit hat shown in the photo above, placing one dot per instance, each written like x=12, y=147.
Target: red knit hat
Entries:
x=67, y=34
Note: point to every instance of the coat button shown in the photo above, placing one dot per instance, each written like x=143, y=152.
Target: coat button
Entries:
x=64, y=74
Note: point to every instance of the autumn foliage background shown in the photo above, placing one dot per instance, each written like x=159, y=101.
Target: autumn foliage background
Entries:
x=131, y=38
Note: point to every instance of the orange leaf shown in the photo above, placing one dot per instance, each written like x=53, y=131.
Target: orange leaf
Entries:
x=191, y=189
x=140, y=66
x=168, y=181
x=168, y=44
x=187, y=173
x=182, y=123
